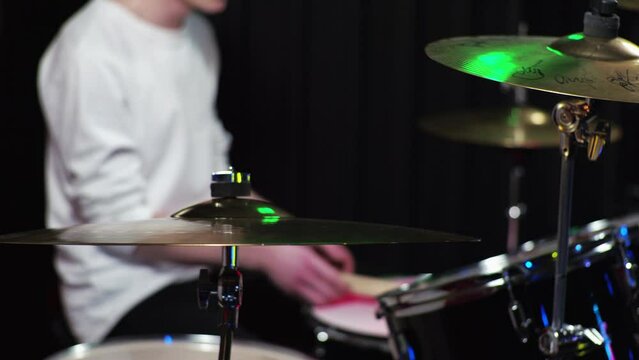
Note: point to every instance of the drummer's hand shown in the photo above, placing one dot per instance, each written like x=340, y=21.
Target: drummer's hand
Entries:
x=302, y=271
x=339, y=255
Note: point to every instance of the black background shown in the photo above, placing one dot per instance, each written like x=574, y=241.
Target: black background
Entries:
x=323, y=99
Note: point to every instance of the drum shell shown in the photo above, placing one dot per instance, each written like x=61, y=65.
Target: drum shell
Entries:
x=333, y=342
x=473, y=318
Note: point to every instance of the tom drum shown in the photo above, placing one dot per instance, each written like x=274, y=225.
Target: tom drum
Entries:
x=499, y=306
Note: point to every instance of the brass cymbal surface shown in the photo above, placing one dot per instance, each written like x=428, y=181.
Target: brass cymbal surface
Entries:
x=629, y=4
x=518, y=127
x=252, y=223
x=576, y=65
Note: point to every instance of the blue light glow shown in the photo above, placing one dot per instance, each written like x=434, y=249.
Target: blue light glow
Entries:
x=544, y=316
x=411, y=353
x=528, y=264
x=623, y=231
x=587, y=263
x=630, y=278
x=578, y=247
x=603, y=326
x=609, y=284
x=168, y=339
x=629, y=253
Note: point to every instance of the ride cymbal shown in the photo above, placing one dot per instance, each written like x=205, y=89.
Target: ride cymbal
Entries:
x=577, y=65
x=508, y=127
x=229, y=222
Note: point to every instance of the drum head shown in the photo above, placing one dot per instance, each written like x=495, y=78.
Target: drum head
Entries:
x=355, y=316
x=195, y=347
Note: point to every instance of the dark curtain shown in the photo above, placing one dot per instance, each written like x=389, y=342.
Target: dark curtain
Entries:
x=324, y=99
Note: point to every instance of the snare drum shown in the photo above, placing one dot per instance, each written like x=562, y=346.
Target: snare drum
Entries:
x=352, y=327
x=192, y=347
x=349, y=328
x=468, y=313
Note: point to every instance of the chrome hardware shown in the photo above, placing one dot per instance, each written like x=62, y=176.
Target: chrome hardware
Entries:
x=569, y=340
x=521, y=323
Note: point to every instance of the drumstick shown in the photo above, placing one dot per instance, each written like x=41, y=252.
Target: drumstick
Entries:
x=369, y=285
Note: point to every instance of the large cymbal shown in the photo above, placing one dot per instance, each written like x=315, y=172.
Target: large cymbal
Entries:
x=224, y=222
x=574, y=65
x=508, y=127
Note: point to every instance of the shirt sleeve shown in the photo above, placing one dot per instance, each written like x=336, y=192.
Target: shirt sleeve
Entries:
x=89, y=125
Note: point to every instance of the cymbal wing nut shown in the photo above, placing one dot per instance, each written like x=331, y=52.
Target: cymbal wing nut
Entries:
x=205, y=289
x=568, y=114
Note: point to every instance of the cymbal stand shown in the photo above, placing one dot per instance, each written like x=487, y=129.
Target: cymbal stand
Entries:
x=226, y=184
x=516, y=209
x=229, y=297
x=574, y=124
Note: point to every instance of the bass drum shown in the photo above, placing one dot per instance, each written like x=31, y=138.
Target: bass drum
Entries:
x=187, y=347
x=500, y=306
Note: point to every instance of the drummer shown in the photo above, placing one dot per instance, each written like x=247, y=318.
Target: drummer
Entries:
x=128, y=89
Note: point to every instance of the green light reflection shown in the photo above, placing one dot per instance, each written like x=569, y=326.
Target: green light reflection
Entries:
x=576, y=36
x=494, y=65
x=554, y=51
x=514, y=117
x=270, y=219
x=233, y=256
x=265, y=210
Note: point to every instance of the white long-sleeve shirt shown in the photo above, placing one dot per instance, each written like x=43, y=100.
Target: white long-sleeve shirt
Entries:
x=133, y=134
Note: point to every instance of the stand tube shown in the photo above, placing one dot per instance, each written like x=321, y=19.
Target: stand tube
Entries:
x=225, y=345
x=515, y=210
x=229, y=294
x=563, y=227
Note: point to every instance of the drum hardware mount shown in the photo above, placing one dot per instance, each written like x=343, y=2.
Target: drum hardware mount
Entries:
x=520, y=321
x=576, y=127
x=398, y=344
x=570, y=340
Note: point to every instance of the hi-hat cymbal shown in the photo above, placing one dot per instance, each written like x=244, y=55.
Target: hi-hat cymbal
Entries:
x=574, y=65
x=227, y=222
x=508, y=127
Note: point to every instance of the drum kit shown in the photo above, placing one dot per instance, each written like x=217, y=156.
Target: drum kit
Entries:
x=513, y=305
